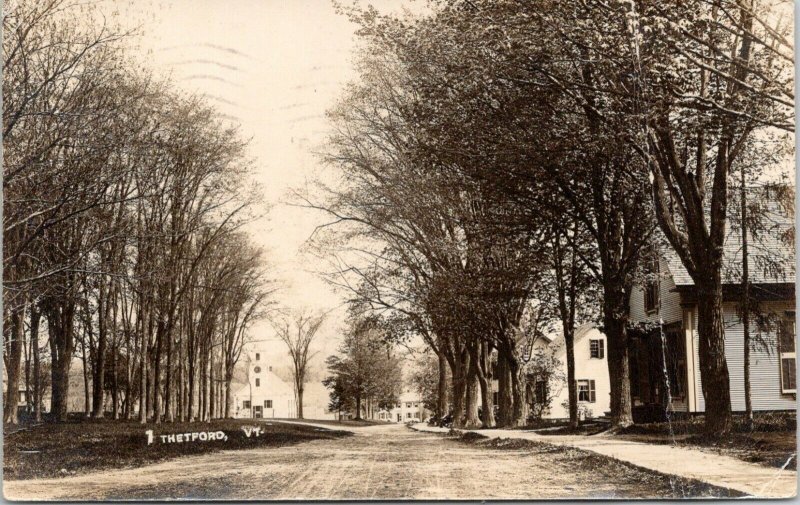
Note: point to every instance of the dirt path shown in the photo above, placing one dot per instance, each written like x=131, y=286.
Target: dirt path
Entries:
x=390, y=462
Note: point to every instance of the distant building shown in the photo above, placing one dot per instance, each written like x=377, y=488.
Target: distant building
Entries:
x=409, y=408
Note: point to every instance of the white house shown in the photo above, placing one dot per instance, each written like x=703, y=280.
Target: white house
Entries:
x=409, y=408
x=665, y=310
x=591, y=374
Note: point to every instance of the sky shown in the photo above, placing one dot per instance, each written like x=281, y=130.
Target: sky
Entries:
x=274, y=67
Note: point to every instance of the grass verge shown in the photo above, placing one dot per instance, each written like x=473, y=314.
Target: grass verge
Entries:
x=69, y=448
x=344, y=422
x=772, y=441
x=632, y=481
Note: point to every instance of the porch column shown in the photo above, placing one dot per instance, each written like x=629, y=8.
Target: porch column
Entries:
x=691, y=364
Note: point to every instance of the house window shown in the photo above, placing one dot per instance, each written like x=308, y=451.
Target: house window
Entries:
x=246, y=404
x=676, y=363
x=586, y=391
x=408, y=415
x=786, y=342
x=651, y=286
x=633, y=364
x=267, y=404
x=416, y=405
x=258, y=356
x=540, y=391
x=408, y=405
x=597, y=348
x=258, y=382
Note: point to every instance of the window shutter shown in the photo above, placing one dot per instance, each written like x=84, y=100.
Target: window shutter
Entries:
x=592, y=397
x=602, y=345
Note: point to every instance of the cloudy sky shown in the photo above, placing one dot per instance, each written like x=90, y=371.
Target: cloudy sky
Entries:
x=275, y=67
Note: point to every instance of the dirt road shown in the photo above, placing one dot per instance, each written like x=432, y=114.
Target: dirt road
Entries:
x=385, y=461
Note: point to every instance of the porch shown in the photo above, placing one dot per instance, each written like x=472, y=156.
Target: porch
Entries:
x=658, y=372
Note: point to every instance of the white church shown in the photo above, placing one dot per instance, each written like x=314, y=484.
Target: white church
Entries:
x=265, y=395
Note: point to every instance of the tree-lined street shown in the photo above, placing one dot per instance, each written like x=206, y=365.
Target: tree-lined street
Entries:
x=377, y=462
x=499, y=218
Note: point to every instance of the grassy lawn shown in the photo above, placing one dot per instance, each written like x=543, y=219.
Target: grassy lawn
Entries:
x=585, y=428
x=771, y=442
x=630, y=481
x=80, y=446
x=345, y=422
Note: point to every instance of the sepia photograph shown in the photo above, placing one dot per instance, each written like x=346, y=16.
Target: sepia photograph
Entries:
x=340, y=250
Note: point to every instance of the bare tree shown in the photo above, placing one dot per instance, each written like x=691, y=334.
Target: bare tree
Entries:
x=298, y=332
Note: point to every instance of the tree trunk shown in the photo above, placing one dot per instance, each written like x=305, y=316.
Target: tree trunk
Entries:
x=13, y=365
x=441, y=388
x=300, y=390
x=615, y=317
x=37, y=380
x=228, y=396
x=114, y=382
x=98, y=372
x=143, y=374
x=181, y=382
x=128, y=374
x=60, y=319
x=157, y=411
x=471, y=418
x=60, y=387
x=519, y=416
x=168, y=382
x=87, y=407
x=504, y=397
x=713, y=365
x=192, y=367
x=485, y=382
x=212, y=397
x=28, y=352
x=459, y=391
x=572, y=384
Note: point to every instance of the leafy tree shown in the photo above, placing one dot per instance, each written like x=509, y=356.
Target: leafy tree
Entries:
x=365, y=370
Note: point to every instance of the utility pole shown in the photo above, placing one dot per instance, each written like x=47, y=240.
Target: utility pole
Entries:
x=748, y=404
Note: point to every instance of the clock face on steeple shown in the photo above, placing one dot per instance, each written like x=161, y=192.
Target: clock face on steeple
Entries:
x=257, y=369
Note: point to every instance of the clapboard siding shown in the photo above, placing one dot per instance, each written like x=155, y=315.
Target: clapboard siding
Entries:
x=764, y=364
x=670, y=306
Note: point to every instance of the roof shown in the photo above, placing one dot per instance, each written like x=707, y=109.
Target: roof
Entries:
x=558, y=335
x=771, y=252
